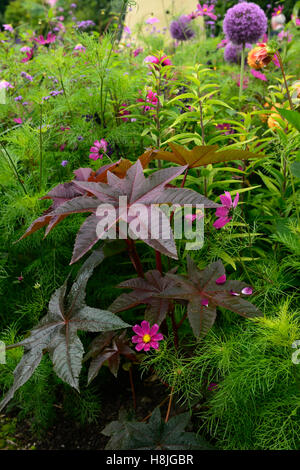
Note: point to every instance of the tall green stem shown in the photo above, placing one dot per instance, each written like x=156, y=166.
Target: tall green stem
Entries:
x=242, y=71
x=284, y=79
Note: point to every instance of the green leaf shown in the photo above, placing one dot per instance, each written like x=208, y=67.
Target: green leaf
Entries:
x=293, y=117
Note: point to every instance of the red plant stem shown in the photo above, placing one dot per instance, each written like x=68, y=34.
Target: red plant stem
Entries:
x=284, y=78
x=135, y=259
x=184, y=178
x=158, y=261
x=169, y=405
x=181, y=321
x=132, y=388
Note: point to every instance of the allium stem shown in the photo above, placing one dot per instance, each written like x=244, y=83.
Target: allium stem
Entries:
x=284, y=78
x=242, y=71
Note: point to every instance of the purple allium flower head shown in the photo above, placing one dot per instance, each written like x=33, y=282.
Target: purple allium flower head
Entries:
x=19, y=98
x=64, y=163
x=27, y=76
x=232, y=52
x=180, y=29
x=245, y=22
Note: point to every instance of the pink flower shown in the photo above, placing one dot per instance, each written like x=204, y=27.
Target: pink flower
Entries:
x=18, y=120
x=146, y=337
x=226, y=128
x=152, y=20
x=297, y=21
x=259, y=75
x=8, y=27
x=223, y=213
x=127, y=30
x=245, y=82
x=29, y=56
x=137, y=51
x=44, y=41
x=277, y=10
x=206, y=10
x=204, y=302
x=221, y=280
x=223, y=43
x=245, y=291
x=96, y=148
x=163, y=61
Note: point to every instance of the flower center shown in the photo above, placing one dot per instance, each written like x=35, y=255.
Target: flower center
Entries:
x=146, y=338
x=204, y=9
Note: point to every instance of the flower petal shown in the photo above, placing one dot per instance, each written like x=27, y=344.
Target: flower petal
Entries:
x=154, y=345
x=140, y=346
x=221, y=279
x=154, y=329
x=236, y=200
x=247, y=291
x=157, y=337
x=145, y=327
x=138, y=330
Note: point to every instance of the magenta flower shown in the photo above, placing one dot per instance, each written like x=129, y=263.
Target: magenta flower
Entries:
x=137, y=51
x=127, y=30
x=221, y=280
x=18, y=120
x=44, y=41
x=204, y=302
x=96, y=148
x=51, y=3
x=223, y=213
x=146, y=337
x=277, y=10
x=226, y=128
x=297, y=21
x=29, y=56
x=152, y=59
x=206, y=10
x=223, y=43
x=259, y=75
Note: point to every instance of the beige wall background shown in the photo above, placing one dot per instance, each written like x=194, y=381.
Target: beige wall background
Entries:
x=164, y=10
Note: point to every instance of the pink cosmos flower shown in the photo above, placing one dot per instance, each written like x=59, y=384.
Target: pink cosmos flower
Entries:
x=96, y=148
x=8, y=27
x=223, y=213
x=44, y=41
x=223, y=43
x=297, y=21
x=29, y=56
x=137, y=51
x=152, y=20
x=146, y=337
x=18, y=120
x=152, y=59
x=277, y=10
x=259, y=75
x=206, y=10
